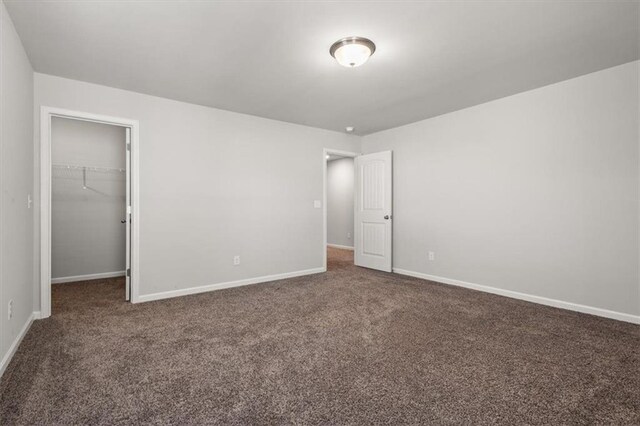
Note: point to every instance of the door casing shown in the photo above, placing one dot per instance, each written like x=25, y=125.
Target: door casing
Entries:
x=46, y=115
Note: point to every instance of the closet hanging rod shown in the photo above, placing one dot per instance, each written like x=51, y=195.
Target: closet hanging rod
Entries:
x=87, y=168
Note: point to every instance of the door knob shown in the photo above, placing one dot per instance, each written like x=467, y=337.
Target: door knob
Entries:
x=123, y=221
x=386, y=217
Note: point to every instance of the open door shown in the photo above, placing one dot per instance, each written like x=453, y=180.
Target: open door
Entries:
x=373, y=196
x=128, y=217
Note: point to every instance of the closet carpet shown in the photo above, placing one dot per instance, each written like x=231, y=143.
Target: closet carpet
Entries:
x=352, y=346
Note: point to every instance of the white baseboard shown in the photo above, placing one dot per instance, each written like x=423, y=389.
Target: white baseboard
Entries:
x=16, y=342
x=338, y=246
x=620, y=316
x=220, y=286
x=75, y=278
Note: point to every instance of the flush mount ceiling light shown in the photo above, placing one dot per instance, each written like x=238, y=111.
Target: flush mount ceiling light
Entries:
x=352, y=52
x=349, y=129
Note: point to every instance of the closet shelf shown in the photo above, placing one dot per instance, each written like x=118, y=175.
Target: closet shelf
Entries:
x=87, y=168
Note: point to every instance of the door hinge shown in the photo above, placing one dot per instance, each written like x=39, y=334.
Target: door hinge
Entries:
x=128, y=272
x=128, y=147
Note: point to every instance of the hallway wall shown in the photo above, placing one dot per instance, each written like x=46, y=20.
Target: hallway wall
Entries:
x=340, y=202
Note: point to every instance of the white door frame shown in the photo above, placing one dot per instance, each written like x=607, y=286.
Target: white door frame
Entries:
x=325, y=152
x=46, y=115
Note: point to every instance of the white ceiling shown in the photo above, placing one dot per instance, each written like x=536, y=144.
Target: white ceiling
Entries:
x=271, y=59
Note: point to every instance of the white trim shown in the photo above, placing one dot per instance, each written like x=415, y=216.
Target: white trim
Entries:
x=46, y=113
x=16, y=342
x=620, y=316
x=76, y=278
x=338, y=246
x=220, y=286
x=326, y=151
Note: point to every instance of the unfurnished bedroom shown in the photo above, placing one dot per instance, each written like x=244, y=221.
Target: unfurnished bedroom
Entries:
x=319, y=212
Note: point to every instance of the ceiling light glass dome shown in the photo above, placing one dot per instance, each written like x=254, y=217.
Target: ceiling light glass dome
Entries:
x=352, y=52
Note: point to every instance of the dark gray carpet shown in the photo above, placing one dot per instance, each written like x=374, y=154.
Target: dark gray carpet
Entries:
x=351, y=346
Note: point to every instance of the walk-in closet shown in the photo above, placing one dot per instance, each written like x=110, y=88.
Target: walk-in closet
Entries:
x=88, y=201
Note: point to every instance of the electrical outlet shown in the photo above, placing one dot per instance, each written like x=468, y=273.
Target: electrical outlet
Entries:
x=29, y=201
x=236, y=260
x=432, y=255
x=349, y=235
x=10, y=310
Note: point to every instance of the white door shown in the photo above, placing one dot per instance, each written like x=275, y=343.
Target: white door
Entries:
x=373, y=211
x=127, y=217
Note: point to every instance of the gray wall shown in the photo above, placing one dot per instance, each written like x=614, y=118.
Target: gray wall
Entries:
x=340, y=202
x=213, y=184
x=535, y=193
x=16, y=182
x=86, y=234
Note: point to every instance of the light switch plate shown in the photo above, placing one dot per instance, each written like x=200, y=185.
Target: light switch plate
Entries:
x=317, y=204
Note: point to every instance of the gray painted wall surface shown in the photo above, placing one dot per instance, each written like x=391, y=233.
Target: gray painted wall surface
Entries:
x=535, y=193
x=16, y=182
x=213, y=184
x=340, y=202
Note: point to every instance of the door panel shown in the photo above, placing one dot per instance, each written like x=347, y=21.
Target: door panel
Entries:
x=373, y=238
x=373, y=185
x=373, y=197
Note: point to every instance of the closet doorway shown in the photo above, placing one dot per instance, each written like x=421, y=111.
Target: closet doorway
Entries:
x=88, y=200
